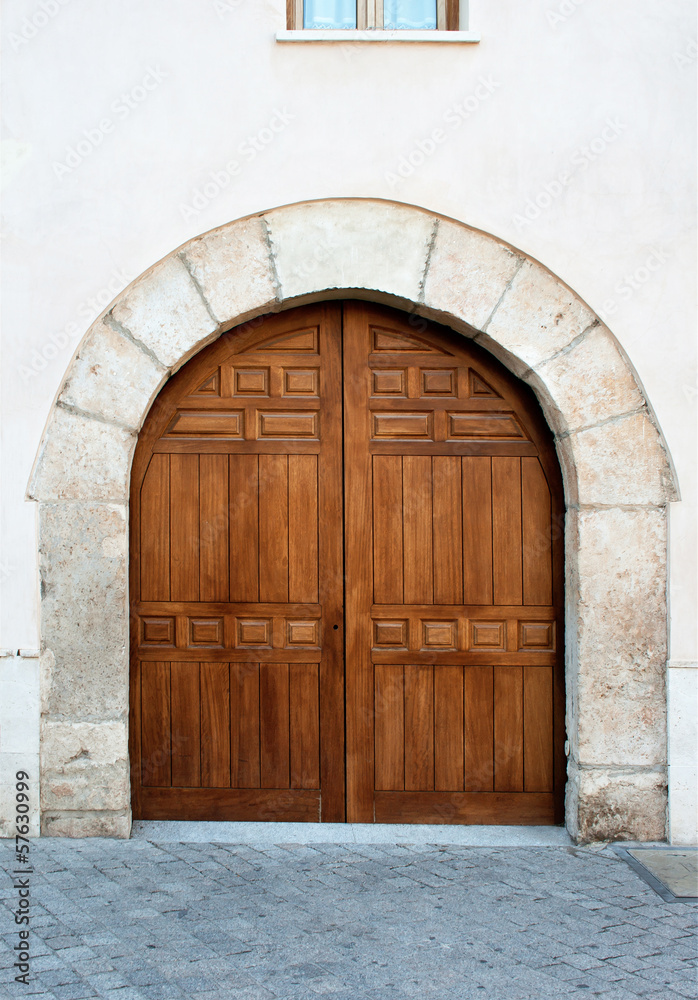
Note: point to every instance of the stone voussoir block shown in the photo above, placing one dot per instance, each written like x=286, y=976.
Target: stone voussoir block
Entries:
x=112, y=377
x=233, y=268
x=82, y=458
x=166, y=313
x=536, y=317
x=84, y=765
x=602, y=455
x=468, y=273
x=85, y=618
x=590, y=382
x=617, y=635
x=363, y=244
x=616, y=804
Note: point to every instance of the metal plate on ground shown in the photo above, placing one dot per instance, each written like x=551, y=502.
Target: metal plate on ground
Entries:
x=672, y=872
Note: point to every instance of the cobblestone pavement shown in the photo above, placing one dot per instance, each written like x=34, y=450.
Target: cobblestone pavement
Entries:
x=133, y=919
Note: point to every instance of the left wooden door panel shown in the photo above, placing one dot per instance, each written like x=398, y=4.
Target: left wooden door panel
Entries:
x=236, y=581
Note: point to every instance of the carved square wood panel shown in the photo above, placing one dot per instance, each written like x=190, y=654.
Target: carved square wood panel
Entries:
x=302, y=633
x=537, y=635
x=391, y=634
x=439, y=635
x=394, y=426
x=487, y=635
x=439, y=382
x=293, y=424
x=251, y=382
x=208, y=423
x=253, y=632
x=157, y=631
x=300, y=381
x=389, y=382
x=206, y=632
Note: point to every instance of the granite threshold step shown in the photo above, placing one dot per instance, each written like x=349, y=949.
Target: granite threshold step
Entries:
x=160, y=831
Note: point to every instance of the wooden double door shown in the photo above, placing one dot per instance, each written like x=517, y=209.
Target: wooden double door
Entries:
x=346, y=581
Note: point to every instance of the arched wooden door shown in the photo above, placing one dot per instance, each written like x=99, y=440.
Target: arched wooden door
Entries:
x=347, y=520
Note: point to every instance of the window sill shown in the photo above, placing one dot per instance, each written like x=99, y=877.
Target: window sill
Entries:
x=353, y=37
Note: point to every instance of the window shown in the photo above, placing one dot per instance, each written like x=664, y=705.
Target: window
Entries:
x=388, y=15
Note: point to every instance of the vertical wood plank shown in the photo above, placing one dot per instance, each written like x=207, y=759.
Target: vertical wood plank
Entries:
x=448, y=728
x=508, y=729
x=273, y=528
x=213, y=528
x=419, y=727
x=536, y=534
x=156, y=756
x=186, y=732
x=155, y=531
x=448, y=530
x=244, y=725
x=184, y=527
x=303, y=528
x=304, y=725
x=244, y=527
x=506, y=530
x=215, y=725
x=477, y=529
x=538, y=728
x=478, y=703
x=387, y=529
x=418, y=559
x=274, y=719
x=389, y=715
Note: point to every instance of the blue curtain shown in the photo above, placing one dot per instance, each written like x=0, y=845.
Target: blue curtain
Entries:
x=415, y=14
x=329, y=14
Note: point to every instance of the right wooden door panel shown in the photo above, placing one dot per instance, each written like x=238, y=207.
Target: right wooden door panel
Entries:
x=454, y=586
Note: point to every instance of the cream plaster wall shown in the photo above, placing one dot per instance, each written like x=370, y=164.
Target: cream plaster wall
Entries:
x=589, y=113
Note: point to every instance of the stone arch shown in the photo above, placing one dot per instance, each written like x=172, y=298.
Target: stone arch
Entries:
x=617, y=472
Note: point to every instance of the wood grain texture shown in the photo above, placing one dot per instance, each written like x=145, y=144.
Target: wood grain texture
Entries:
x=304, y=725
x=155, y=531
x=448, y=530
x=184, y=527
x=273, y=528
x=213, y=528
x=477, y=529
x=478, y=700
x=244, y=725
x=508, y=729
x=536, y=534
x=387, y=530
x=538, y=728
x=418, y=556
x=244, y=527
x=274, y=725
x=448, y=729
x=215, y=725
x=419, y=727
x=506, y=531
x=156, y=759
x=303, y=528
x=185, y=708
x=389, y=715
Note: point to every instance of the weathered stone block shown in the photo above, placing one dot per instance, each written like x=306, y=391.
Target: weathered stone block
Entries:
x=112, y=377
x=361, y=244
x=233, y=268
x=165, y=312
x=468, y=273
x=586, y=384
x=604, y=454
x=90, y=824
x=84, y=766
x=84, y=613
x=82, y=459
x=616, y=804
x=617, y=633
x=537, y=317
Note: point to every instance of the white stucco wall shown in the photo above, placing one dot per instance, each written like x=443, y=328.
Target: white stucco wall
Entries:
x=568, y=131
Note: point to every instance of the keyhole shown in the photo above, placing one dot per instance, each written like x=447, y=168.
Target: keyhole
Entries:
x=335, y=627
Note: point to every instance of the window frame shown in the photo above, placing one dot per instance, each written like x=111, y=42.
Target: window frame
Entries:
x=369, y=16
